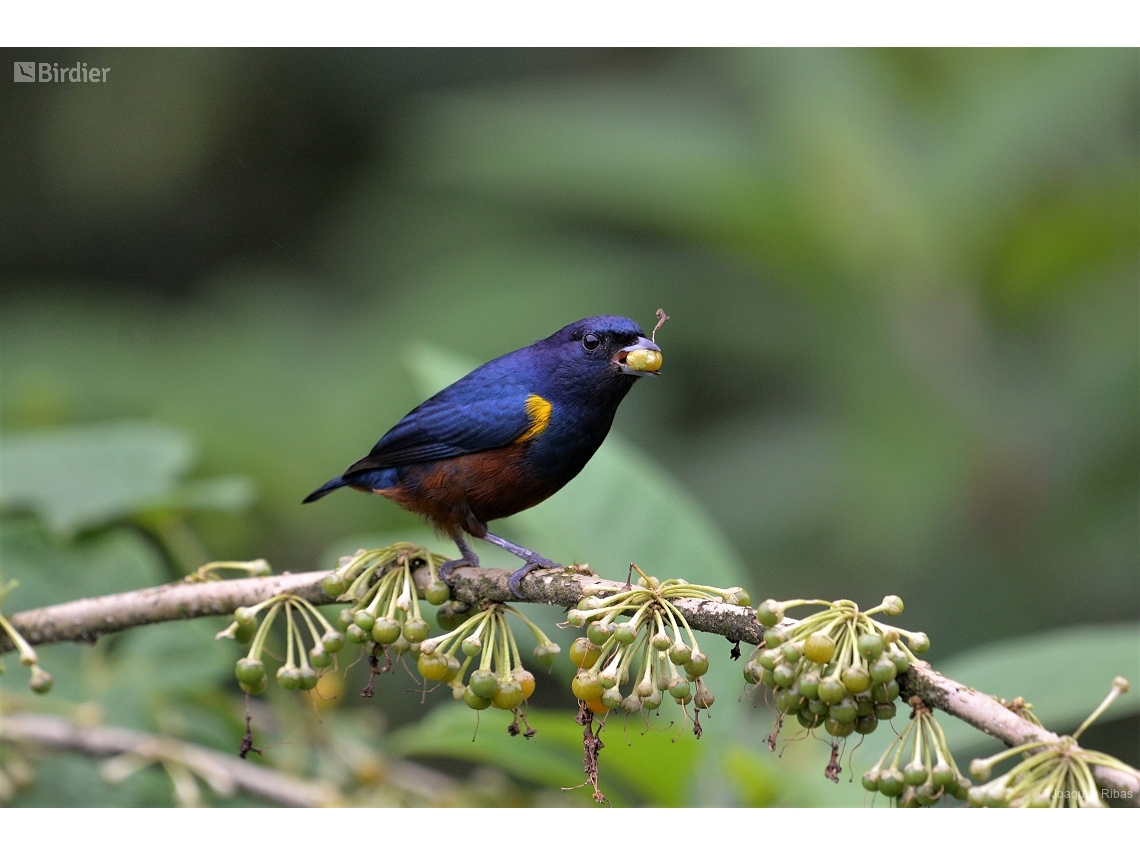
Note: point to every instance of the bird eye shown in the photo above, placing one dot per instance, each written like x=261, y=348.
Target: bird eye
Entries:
x=590, y=341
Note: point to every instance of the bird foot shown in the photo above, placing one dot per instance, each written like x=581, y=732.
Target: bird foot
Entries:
x=446, y=568
x=517, y=576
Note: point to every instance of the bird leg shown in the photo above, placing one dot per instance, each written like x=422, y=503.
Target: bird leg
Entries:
x=467, y=558
x=533, y=560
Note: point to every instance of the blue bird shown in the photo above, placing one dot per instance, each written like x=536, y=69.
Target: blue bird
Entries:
x=507, y=436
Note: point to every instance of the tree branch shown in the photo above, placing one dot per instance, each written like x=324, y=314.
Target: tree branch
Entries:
x=86, y=620
x=223, y=771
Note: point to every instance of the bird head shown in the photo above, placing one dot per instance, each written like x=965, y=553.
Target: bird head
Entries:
x=608, y=345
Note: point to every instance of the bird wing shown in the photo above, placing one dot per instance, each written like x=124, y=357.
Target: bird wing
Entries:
x=477, y=413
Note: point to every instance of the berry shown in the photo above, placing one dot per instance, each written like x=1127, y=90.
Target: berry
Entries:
x=625, y=633
x=476, y=702
x=363, y=620
x=432, y=667
x=769, y=613
x=919, y=642
x=416, y=629
x=845, y=712
x=611, y=698
x=584, y=653
x=320, y=657
x=915, y=774
x=831, y=690
x=40, y=681
x=508, y=695
x=883, y=670
x=333, y=641
x=306, y=679
x=355, y=634
x=871, y=646
x=599, y=632
x=866, y=724
x=680, y=653
x=808, y=684
x=839, y=728
x=586, y=687
x=698, y=664
x=471, y=646
x=288, y=677
x=525, y=679
x=856, y=679
x=774, y=637
x=892, y=605
x=483, y=683
x=545, y=654
x=333, y=585
x=437, y=593
x=385, y=631
x=255, y=688
x=249, y=671
x=884, y=711
x=891, y=782
x=819, y=647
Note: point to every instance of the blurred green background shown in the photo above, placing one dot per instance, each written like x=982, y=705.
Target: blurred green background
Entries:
x=902, y=355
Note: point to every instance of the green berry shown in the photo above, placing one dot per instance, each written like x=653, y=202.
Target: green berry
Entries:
x=819, y=647
x=355, y=634
x=839, y=728
x=883, y=670
x=306, y=679
x=333, y=641
x=584, y=653
x=471, y=646
x=767, y=678
x=856, y=679
x=845, y=711
x=703, y=699
x=599, y=632
x=680, y=653
x=866, y=724
x=698, y=664
x=289, y=677
x=818, y=707
x=653, y=701
x=871, y=646
x=364, y=620
x=508, y=695
x=871, y=780
x=791, y=651
x=885, y=693
x=784, y=674
x=919, y=642
x=546, y=654
x=319, y=657
x=344, y=617
x=898, y=658
x=738, y=597
x=892, y=605
x=775, y=636
x=433, y=667
x=808, y=719
x=631, y=704
x=753, y=672
x=333, y=585
x=831, y=690
x=942, y=775
x=808, y=683
x=611, y=698
x=884, y=711
x=385, y=631
x=625, y=633
x=769, y=613
x=476, y=702
x=769, y=658
x=437, y=593
x=41, y=681
x=416, y=630
x=483, y=682
x=679, y=688
x=864, y=704
x=891, y=782
x=255, y=688
x=915, y=774
x=249, y=671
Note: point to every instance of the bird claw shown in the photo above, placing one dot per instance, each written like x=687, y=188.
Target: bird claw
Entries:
x=446, y=568
x=517, y=576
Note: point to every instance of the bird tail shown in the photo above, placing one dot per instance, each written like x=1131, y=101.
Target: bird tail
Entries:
x=335, y=484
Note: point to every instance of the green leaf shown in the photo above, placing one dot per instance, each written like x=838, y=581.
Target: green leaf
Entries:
x=1064, y=674
x=83, y=477
x=637, y=766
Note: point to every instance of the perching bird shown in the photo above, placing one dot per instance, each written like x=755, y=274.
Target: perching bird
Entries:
x=507, y=436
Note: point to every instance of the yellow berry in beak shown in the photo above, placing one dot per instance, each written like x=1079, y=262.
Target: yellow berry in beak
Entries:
x=643, y=360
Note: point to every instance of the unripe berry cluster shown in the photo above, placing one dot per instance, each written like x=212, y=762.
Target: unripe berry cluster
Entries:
x=300, y=670
x=500, y=679
x=40, y=681
x=917, y=768
x=835, y=668
x=1050, y=773
x=384, y=600
x=653, y=651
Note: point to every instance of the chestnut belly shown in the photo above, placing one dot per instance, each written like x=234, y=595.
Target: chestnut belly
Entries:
x=465, y=493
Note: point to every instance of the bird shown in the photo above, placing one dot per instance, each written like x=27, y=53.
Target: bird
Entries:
x=508, y=435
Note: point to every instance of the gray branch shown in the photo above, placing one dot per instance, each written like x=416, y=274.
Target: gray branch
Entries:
x=86, y=620
x=224, y=772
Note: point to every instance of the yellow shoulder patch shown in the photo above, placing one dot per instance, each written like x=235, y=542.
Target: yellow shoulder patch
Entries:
x=539, y=409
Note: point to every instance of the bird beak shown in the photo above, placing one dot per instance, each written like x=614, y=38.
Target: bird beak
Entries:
x=641, y=359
